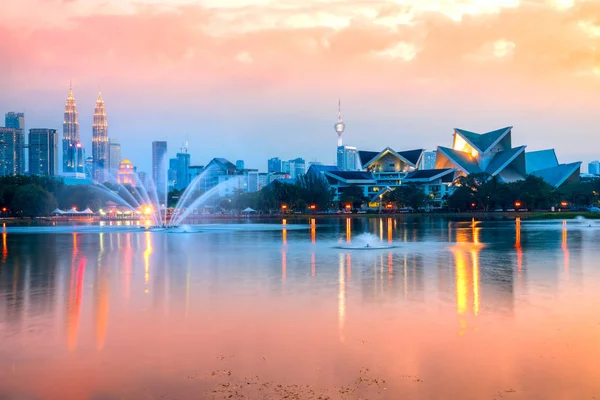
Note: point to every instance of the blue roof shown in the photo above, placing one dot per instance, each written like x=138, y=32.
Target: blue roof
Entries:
x=482, y=142
x=322, y=168
x=427, y=175
x=556, y=176
x=503, y=158
x=366, y=156
x=412, y=155
x=541, y=159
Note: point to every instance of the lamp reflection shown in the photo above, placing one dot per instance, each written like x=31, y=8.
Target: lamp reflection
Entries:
x=518, y=248
x=390, y=267
x=284, y=232
x=341, y=299
x=313, y=231
x=389, y=230
x=565, y=247
x=348, y=230
x=313, y=264
x=4, y=247
x=147, y=254
x=102, y=296
x=381, y=229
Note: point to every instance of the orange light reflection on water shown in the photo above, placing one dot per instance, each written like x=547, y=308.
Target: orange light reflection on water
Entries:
x=565, y=248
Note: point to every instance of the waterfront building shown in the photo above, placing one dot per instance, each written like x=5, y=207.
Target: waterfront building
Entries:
x=274, y=165
x=126, y=174
x=72, y=150
x=12, y=143
x=347, y=158
x=429, y=160
x=43, y=152
x=240, y=165
x=114, y=157
x=100, y=146
x=183, y=166
x=492, y=153
x=436, y=183
x=159, y=167
x=594, y=168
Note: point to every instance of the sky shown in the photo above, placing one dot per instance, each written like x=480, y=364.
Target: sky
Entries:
x=254, y=79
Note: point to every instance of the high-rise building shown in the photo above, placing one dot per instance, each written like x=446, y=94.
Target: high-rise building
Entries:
x=297, y=167
x=114, y=157
x=263, y=180
x=126, y=174
x=14, y=120
x=143, y=177
x=594, y=168
x=12, y=144
x=100, y=146
x=159, y=167
x=339, y=125
x=89, y=166
x=183, y=166
x=72, y=150
x=285, y=167
x=274, y=165
x=43, y=152
x=172, y=172
x=429, y=160
x=347, y=158
x=239, y=164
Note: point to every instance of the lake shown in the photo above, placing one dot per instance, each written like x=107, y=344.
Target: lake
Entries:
x=433, y=309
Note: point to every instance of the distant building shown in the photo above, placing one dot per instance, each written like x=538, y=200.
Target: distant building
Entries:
x=195, y=170
x=297, y=167
x=274, y=165
x=159, y=167
x=251, y=180
x=172, y=173
x=126, y=173
x=12, y=144
x=429, y=160
x=239, y=164
x=14, y=120
x=100, y=146
x=143, y=177
x=89, y=167
x=183, y=166
x=285, y=167
x=275, y=176
x=114, y=157
x=263, y=180
x=43, y=152
x=347, y=158
x=594, y=168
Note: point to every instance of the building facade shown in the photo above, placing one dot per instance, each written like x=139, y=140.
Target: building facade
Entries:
x=72, y=150
x=100, y=144
x=429, y=160
x=594, y=168
x=14, y=120
x=159, y=167
x=240, y=164
x=114, y=157
x=43, y=152
x=12, y=144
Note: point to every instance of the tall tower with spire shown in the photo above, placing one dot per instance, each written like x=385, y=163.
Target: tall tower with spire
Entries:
x=339, y=125
x=73, y=154
x=100, y=145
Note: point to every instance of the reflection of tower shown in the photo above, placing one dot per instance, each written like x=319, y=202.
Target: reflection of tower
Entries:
x=339, y=126
x=100, y=146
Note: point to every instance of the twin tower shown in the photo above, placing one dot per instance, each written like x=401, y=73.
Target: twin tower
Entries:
x=74, y=161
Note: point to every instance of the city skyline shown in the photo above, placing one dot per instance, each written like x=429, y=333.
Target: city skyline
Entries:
x=407, y=74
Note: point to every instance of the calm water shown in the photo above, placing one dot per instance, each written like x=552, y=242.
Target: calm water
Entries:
x=456, y=311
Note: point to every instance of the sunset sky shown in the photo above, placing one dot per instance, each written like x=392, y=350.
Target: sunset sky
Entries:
x=254, y=79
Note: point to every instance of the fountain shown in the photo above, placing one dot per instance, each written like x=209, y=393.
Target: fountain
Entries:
x=366, y=241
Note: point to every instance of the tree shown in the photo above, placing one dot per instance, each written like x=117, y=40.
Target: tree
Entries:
x=353, y=195
x=314, y=189
x=33, y=201
x=408, y=195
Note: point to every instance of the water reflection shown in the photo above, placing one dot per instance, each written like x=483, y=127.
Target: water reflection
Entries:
x=341, y=298
x=75, y=295
x=565, y=248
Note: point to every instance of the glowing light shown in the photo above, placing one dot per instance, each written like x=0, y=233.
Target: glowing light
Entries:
x=147, y=254
x=312, y=207
x=564, y=203
x=348, y=230
x=517, y=204
x=348, y=206
x=148, y=210
x=284, y=207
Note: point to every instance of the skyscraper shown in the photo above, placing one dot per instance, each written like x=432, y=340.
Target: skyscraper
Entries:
x=339, y=125
x=100, y=147
x=72, y=150
x=594, y=168
x=43, y=152
x=347, y=158
x=274, y=165
x=14, y=120
x=183, y=166
x=11, y=151
x=114, y=157
x=297, y=167
x=239, y=164
x=429, y=160
x=159, y=167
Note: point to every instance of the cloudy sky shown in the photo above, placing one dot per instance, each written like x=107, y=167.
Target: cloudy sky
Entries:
x=253, y=79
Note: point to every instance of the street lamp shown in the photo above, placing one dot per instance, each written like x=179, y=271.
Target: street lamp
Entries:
x=564, y=203
x=517, y=204
x=283, y=208
x=348, y=206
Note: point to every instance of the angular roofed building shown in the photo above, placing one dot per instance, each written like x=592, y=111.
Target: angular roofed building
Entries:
x=492, y=153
